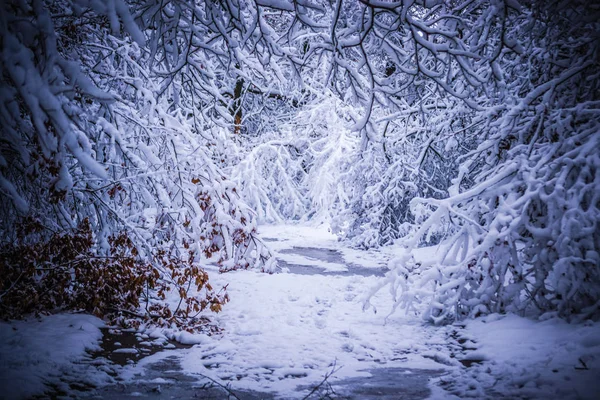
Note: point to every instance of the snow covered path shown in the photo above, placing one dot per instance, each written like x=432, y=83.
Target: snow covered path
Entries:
x=283, y=333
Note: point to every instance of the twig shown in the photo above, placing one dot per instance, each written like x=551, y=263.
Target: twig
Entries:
x=132, y=313
x=585, y=367
x=228, y=390
x=12, y=285
x=324, y=381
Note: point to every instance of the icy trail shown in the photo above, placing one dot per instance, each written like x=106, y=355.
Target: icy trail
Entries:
x=282, y=333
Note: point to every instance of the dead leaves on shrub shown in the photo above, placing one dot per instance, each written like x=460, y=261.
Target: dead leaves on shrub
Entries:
x=67, y=271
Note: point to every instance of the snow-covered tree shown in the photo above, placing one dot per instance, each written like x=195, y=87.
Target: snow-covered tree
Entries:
x=521, y=216
x=143, y=128
x=92, y=150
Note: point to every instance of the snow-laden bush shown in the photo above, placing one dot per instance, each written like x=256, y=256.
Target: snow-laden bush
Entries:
x=523, y=211
x=91, y=151
x=270, y=179
x=411, y=157
x=170, y=184
x=300, y=170
x=524, y=237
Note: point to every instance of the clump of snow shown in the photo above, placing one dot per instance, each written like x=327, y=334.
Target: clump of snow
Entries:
x=189, y=338
x=126, y=350
x=36, y=352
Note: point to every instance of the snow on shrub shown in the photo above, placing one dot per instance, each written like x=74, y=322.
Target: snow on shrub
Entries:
x=126, y=200
x=298, y=170
x=522, y=213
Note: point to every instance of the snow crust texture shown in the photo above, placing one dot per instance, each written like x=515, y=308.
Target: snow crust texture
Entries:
x=36, y=353
x=515, y=357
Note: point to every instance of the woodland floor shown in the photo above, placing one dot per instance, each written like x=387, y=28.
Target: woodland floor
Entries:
x=284, y=333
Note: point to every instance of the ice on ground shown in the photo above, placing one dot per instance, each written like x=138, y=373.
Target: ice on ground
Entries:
x=286, y=236
x=36, y=352
x=297, y=259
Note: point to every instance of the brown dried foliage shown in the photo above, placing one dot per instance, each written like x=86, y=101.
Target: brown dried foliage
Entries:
x=66, y=271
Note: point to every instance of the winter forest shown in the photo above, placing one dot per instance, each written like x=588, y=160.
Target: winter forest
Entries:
x=145, y=144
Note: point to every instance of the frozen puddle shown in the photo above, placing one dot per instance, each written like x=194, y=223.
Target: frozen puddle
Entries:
x=318, y=261
x=124, y=347
x=166, y=379
x=388, y=384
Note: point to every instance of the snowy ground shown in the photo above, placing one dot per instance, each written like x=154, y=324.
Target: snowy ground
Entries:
x=284, y=332
x=36, y=354
x=521, y=358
